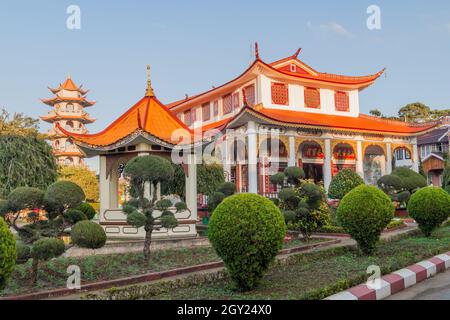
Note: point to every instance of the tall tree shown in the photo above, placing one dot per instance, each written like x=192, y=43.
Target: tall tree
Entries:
x=25, y=161
x=376, y=113
x=415, y=112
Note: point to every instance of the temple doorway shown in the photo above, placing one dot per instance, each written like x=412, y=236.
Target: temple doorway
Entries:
x=311, y=160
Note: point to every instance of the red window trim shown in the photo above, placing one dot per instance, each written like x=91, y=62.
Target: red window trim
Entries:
x=227, y=104
x=337, y=106
x=206, y=111
x=279, y=97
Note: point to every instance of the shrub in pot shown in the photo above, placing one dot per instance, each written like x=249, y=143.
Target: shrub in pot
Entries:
x=88, y=234
x=343, y=182
x=364, y=213
x=430, y=207
x=247, y=231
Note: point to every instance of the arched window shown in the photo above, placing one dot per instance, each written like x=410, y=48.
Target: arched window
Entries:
x=68, y=143
x=69, y=125
x=68, y=161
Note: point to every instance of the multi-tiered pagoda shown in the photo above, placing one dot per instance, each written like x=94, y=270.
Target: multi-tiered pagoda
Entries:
x=68, y=112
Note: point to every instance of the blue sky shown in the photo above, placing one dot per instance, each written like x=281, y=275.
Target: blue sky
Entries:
x=193, y=45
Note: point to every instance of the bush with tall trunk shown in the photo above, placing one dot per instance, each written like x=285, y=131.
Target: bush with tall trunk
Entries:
x=148, y=212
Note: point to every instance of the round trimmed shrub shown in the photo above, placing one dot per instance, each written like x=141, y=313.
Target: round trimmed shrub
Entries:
x=430, y=207
x=294, y=174
x=247, y=231
x=87, y=209
x=411, y=180
x=65, y=194
x=25, y=198
x=149, y=168
x=344, y=182
x=390, y=183
x=7, y=253
x=363, y=213
x=88, y=234
x=277, y=179
x=227, y=188
x=73, y=216
x=47, y=248
x=23, y=253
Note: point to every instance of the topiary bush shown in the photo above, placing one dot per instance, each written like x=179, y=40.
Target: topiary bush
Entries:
x=227, y=188
x=88, y=234
x=7, y=253
x=247, y=231
x=25, y=198
x=390, y=183
x=430, y=207
x=411, y=180
x=45, y=249
x=87, y=209
x=343, y=182
x=73, y=216
x=294, y=175
x=364, y=213
x=65, y=194
x=23, y=253
x=278, y=179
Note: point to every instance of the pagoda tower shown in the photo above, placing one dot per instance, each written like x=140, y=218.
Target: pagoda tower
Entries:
x=68, y=110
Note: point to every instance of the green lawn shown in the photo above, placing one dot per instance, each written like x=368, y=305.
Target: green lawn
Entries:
x=302, y=276
x=52, y=274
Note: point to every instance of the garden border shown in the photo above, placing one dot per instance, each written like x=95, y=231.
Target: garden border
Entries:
x=397, y=281
x=54, y=293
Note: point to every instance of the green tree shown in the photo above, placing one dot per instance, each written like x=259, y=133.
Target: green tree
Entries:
x=415, y=112
x=144, y=212
x=25, y=161
x=83, y=177
x=18, y=125
x=376, y=113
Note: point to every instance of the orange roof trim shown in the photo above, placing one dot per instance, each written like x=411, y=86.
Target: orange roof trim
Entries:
x=148, y=115
x=70, y=86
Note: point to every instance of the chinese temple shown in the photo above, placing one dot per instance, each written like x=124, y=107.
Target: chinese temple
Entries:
x=271, y=116
x=68, y=106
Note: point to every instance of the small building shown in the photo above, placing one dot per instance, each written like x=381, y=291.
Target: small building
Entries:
x=68, y=111
x=433, y=151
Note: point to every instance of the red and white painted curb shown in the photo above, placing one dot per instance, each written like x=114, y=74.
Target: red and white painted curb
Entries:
x=397, y=281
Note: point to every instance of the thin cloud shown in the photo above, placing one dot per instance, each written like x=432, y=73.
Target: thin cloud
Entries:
x=332, y=28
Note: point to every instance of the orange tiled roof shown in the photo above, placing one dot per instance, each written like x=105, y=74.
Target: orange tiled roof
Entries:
x=148, y=115
x=361, y=123
x=360, y=82
x=70, y=86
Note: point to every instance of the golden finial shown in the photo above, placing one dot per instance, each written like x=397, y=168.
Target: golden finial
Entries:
x=149, y=92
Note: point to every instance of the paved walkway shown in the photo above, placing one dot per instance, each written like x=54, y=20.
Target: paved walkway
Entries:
x=435, y=288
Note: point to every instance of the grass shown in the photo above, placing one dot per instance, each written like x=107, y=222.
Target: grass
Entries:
x=52, y=274
x=304, y=276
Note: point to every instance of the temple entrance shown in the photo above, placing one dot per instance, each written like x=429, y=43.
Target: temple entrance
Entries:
x=272, y=158
x=374, y=164
x=343, y=158
x=311, y=160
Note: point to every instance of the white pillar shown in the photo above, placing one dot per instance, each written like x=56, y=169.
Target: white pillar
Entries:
x=327, y=164
x=359, y=159
x=191, y=187
x=252, y=158
x=415, y=156
x=388, y=158
x=292, y=150
x=104, y=188
x=226, y=158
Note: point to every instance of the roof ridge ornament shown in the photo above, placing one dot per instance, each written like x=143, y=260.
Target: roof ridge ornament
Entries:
x=295, y=55
x=149, y=92
x=257, y=51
